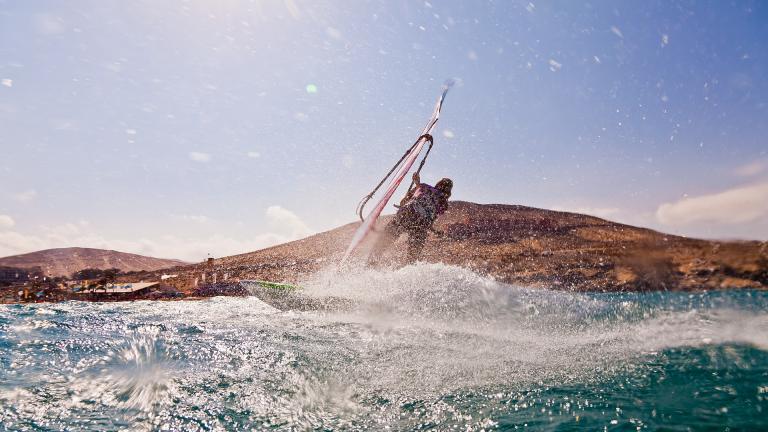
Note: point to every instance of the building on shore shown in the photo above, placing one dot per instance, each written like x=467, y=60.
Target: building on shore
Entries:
x=16, y=275
x=121, y=291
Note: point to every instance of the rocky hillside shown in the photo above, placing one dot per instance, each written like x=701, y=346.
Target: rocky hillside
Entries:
x=65, y=261
x=527, y=246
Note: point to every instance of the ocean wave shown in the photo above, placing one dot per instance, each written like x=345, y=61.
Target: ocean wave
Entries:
x=425, y=344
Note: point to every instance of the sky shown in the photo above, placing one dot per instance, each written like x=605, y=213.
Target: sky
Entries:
x=179, y=129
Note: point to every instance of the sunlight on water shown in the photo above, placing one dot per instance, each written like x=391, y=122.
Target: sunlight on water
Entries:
x=422, y=346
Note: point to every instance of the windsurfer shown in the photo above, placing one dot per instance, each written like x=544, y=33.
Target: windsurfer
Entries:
x=415, y=216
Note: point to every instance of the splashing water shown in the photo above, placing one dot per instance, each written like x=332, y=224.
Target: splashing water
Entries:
x=426, y=346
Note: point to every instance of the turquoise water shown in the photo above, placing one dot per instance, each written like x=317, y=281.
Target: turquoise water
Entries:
x=423, y=348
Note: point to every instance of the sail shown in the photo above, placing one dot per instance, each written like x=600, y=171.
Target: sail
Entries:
x=398, y=177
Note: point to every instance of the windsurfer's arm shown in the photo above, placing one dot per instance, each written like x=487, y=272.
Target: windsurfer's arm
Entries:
x=411, y=190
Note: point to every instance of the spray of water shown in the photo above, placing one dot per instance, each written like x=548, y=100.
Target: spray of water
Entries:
x=432, y=327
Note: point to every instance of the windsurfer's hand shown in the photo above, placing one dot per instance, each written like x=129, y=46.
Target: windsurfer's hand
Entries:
x=416, y=178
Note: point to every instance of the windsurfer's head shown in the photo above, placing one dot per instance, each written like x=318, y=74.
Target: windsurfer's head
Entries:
x=445, y=185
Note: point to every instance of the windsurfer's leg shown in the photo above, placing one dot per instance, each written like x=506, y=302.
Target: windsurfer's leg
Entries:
x=387, y=237
x=416, y=240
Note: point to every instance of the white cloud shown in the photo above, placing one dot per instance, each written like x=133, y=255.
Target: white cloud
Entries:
x=62, y=231
x=752, y=169
x=7, y=82
x=49, y=24
x=448, y=133
x=13, y=243
x=6, y=221
x=333, y=32
x=195, y=218
x=287, y=223
x=285, y=226
x=187, y=249
x=25, y=196
x=253, y=154
x=733, y=206
x=615, y=30
x=199, y=157
x=601, y=212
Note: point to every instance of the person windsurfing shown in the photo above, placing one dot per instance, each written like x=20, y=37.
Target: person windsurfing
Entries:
x=418, y=211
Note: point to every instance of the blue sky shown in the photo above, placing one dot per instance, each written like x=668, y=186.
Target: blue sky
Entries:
x=183, y=128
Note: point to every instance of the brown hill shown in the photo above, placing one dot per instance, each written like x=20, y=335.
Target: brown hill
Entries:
x=528, y=246
x=65, y=261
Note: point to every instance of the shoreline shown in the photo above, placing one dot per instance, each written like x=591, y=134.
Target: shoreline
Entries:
x=73, y=297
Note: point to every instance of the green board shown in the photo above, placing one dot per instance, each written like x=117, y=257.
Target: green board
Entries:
x=274, y=285
x=287, y=297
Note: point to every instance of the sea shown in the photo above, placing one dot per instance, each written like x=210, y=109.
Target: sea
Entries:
x=425, y=347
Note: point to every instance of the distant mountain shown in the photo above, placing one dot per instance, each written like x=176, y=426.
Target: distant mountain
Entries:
x=65, y=261
x=530, y=247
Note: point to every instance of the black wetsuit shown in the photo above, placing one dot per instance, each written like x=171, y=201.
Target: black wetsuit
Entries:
x=416, y=217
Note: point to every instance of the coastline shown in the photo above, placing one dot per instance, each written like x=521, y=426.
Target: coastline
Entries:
x=513, y=244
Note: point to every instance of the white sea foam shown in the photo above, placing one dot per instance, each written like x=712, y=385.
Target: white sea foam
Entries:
x=452, y=328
